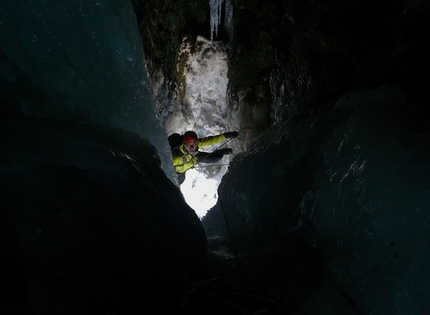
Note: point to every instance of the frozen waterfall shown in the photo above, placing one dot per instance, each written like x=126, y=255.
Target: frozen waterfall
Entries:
x=204, y=110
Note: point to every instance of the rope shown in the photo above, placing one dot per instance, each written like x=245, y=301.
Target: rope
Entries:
x=233, y=244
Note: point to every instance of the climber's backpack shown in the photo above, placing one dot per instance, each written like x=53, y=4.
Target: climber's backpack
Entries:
x=175, y=140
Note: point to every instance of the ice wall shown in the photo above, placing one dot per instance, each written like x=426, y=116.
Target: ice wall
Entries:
x=371, y=204
x=354, y=183
x=87, y=58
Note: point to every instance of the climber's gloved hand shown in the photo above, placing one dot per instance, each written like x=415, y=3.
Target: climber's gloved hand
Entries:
x=231, y=134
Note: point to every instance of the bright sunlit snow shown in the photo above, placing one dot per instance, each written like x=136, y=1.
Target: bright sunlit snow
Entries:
x=199, y=191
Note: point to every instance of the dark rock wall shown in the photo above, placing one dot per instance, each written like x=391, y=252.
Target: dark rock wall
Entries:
x=317, y=50
x=163, y=24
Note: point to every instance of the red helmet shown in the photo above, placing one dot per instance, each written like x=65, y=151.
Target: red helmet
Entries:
x=190, y=136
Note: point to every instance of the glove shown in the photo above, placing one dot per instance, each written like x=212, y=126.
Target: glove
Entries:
x=231, y=134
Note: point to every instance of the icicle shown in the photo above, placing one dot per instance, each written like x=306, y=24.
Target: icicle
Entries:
x=215, y=6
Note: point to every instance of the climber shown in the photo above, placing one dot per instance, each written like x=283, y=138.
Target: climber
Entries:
x=186, y=154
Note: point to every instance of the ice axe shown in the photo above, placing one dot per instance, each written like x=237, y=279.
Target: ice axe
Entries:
x=246, y=128
x=226, y=141
x=242, y=129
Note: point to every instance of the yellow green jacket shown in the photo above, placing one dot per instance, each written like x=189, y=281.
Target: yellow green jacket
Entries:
x=183, y=161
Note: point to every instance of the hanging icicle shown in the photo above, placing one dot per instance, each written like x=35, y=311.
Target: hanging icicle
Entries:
x=215, y=6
